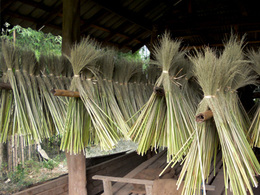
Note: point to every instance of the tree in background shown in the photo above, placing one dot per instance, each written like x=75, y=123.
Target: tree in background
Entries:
x=38, y=41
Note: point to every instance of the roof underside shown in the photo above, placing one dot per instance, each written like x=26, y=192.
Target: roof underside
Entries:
x=129, y=24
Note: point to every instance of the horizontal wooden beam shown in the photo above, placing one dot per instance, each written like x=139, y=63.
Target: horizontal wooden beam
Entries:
x=6, y=86
x=204, y=116
x=65, y=93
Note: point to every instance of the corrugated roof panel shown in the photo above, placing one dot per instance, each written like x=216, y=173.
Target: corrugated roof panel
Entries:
x=125, y=3
x=135, y=6
x=119, y=24
x=113, y=20
x=129, y=30
x=27, y=24
x=37, y=13
x=106, y=20
x=89, y=9
x=50, y=2
x=25, y=9
x=57, y=21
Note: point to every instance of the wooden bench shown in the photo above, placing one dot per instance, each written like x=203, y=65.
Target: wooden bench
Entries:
x=124, y=186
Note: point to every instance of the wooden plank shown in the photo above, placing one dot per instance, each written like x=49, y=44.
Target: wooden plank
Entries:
x=123, y=180
x=125, y=190
x=149, y=189
x=218, y=182
x=141, y=167
x=46, y=186
x=57, y=190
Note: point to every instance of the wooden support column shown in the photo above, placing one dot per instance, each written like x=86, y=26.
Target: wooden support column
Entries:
x=70, y=35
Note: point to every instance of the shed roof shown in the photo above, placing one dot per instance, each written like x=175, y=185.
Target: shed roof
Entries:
x=129, y=24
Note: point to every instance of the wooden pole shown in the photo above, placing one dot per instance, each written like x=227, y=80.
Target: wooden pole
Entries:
x=70, y=35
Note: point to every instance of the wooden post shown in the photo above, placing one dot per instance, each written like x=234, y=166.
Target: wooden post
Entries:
x=70, y=35
x=107, y=187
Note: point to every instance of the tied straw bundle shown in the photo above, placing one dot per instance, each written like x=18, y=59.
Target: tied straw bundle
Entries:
x=219, y=78
x=77, y=136
x=165, y=121
x=108, y=100
x=254, y=131
x=6, y=105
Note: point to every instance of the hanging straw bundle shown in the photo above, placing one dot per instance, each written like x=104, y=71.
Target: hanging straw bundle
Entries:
x=219, y=78
x=24, y=123
x=6, y=105
x=165, y=120
x=108, y=101
x=29, y=62
x=124, y=70
x=55, y=111
x=254, y=130
x=77, y=134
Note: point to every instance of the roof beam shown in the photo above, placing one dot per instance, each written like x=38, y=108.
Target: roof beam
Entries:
x=125, y=13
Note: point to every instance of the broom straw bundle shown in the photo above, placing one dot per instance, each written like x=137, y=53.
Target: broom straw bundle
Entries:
x=83, y=58
x=107, y=63
x=6, y=105
x=254, y=131
x=219, y=78
x=165, y=121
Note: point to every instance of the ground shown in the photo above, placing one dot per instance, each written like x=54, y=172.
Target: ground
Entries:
x=35, y=172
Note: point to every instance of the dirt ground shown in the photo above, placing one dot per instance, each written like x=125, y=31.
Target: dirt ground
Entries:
x=30, y=177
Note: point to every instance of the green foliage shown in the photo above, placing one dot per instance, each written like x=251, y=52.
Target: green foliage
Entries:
x=18, y=175
x=38, y=41
x=50, y=164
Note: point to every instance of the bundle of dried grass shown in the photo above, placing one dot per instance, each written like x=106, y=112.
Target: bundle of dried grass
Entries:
x=219, y=78
x=165, y=120
x=6, y=105
x=254, y=131
x=108, y=101
x=77, y=134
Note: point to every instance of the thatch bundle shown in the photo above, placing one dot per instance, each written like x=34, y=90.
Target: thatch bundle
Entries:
x=155, y=107
x=219, y=76
x=165, y=120
x=254, y=131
